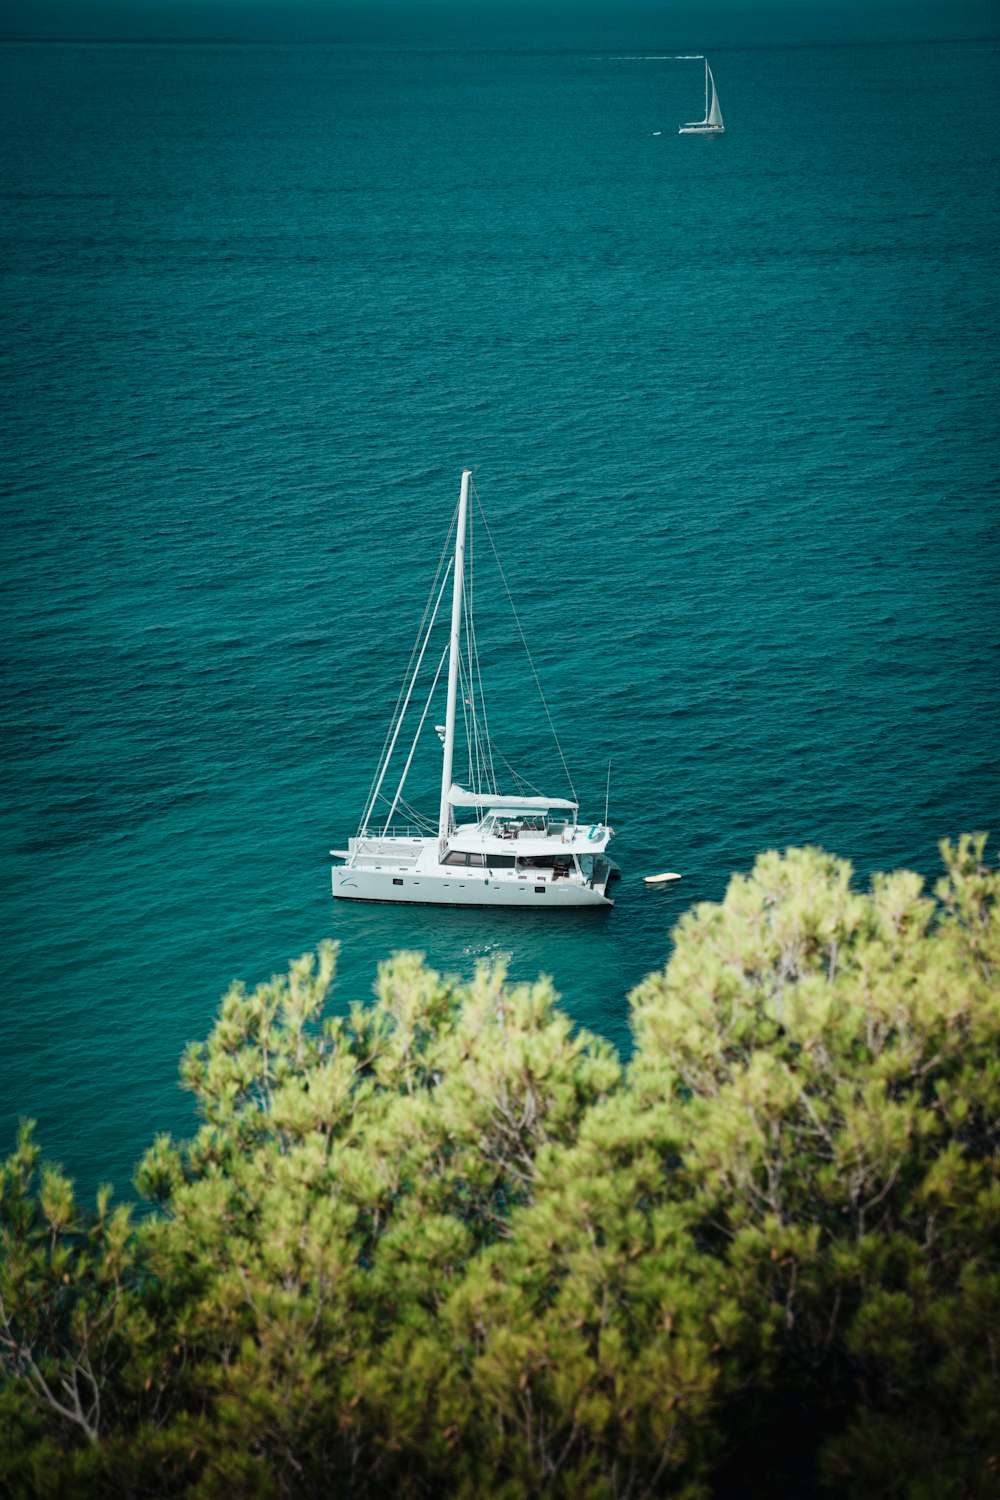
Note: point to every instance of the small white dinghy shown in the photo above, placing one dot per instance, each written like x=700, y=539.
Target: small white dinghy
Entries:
x=664, y=879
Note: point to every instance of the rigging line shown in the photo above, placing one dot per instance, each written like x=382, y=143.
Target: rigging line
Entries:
x=465, y=715
x=479, y=719
x=381, y=765
x=488, y=771
x=410, y=681
x=478, y=702
x=468, y=677
x=411, y=812
x=468, y=694
x=384, y=763
x=524, y=643
x=471, y=728
x=471, y=731
x=419, y=818
x=469, y=685
x=409, y=758
x=519, y=780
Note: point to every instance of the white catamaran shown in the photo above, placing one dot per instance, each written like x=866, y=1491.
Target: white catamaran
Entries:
x=511, y=849
x=712, y=124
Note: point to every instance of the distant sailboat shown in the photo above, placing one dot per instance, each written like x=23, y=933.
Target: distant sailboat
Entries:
x=712, y=124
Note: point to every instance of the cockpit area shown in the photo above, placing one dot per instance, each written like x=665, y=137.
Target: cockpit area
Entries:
x=516, y=825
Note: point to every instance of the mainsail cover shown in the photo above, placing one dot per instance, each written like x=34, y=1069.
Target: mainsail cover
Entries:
x=459, y=797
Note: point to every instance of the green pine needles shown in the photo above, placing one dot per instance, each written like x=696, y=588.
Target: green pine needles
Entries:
x=451, y=1246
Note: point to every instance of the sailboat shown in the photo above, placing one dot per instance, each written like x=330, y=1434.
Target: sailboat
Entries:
x=713, y=123
x=489, y=847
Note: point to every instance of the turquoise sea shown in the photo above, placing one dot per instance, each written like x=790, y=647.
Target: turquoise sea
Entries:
x=730, y=404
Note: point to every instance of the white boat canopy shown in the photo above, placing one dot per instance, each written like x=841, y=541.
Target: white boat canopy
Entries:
x=459, y=797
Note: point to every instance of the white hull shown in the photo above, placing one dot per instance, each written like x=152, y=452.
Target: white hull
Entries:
x=442, y=889
x=535, y=871
x=702, y=130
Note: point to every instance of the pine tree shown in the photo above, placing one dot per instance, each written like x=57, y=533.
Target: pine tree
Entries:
x=445, y=1244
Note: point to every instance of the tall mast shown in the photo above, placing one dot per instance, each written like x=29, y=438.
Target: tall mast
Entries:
x=706, y=88
x=454, y=654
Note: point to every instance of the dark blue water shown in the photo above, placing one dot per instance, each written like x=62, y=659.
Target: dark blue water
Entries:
x=730, y=405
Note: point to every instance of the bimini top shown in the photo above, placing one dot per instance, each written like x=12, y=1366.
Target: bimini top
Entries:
x=459, y=797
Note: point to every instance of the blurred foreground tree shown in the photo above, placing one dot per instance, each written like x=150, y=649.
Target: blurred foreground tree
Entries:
x=834, y=1064
x=447, y=1245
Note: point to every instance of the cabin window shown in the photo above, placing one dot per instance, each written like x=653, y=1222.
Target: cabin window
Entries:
x=539, y=890
x=395, y=881
x=502, y=861
x=459, y=857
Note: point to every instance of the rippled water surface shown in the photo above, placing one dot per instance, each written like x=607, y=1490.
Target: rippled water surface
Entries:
x=729, y=404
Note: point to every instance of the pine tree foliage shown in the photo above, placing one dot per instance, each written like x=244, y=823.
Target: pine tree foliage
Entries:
x=447, y=1244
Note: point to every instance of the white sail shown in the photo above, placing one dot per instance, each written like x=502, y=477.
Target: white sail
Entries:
x=715, y=113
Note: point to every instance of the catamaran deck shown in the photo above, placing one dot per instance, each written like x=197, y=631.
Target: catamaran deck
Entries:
x=564, y=864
